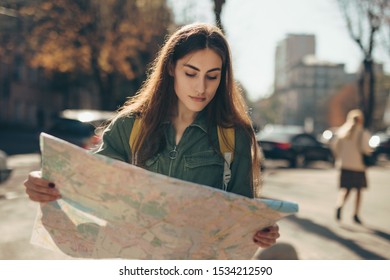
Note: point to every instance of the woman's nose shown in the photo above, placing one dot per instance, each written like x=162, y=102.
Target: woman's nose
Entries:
x=200, y=86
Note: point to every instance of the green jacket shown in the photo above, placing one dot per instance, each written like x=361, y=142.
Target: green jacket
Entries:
x=194, y=159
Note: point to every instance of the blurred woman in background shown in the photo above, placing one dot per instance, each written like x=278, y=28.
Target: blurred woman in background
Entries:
x=350, y=145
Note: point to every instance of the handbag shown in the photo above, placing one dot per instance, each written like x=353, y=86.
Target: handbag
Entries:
x=367, y=160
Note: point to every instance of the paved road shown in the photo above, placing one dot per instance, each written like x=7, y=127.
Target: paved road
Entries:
x=17, y=214
x=313, y=231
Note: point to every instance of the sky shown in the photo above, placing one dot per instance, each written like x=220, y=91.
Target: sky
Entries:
x=254, y=28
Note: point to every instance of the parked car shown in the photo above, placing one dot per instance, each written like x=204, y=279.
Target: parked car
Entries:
x=5, y=172
x=79, y=126
x=328, y=135
x=380, y=143
x=293, y=144
x=262, y=158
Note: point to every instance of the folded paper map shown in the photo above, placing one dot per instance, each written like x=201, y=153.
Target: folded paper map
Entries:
x=111, y=209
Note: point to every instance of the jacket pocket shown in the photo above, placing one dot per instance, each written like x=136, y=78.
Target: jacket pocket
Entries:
x=204, y=168
x=152, y=164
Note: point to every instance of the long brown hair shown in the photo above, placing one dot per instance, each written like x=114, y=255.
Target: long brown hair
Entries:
x=156, y=99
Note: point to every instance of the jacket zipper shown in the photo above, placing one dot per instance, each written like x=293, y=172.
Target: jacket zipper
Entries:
x=172, y=156
x=173, y=153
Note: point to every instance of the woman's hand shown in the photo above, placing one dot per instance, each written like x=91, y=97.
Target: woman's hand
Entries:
x=266, y=237
x=39, y=189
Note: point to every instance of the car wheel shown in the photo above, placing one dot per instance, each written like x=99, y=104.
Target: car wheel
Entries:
x=292, y=163
x=300, y=161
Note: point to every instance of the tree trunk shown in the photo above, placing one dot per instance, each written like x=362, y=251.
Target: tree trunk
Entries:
x=367, y=91
x=107, y=94
x=371, y=94
x=217, y=11
x=104, y=84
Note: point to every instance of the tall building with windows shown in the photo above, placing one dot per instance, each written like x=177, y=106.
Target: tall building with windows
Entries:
x=289, y=52
x=303, y=84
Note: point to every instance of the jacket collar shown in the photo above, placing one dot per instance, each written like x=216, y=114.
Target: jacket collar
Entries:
x=200, y=121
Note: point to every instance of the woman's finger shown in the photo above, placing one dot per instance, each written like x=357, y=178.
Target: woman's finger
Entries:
x=39, y=189
x=267, y=237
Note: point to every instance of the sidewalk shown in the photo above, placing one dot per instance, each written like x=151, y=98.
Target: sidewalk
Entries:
x=314, y=231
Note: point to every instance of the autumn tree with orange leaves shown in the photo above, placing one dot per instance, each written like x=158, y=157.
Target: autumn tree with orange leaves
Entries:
x=105, y=41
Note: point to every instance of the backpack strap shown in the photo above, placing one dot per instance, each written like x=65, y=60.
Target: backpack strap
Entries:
x=134, y=134
x=226, y=139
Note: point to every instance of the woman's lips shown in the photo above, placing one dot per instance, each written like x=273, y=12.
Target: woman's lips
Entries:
x=197, y=99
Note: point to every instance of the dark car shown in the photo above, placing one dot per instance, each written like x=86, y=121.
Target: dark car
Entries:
x=5, y=172
x=79, y=127
x=293, y=144
x=380, y=143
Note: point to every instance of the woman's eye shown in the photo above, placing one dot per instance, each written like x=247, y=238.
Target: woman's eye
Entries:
x=212, y=77
x=190, y=75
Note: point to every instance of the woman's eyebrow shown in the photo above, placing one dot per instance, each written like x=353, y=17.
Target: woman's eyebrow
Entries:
x=197, y=69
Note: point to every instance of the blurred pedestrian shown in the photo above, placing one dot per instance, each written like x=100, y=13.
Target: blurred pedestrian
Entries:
x=189, y=94
x=350, y=145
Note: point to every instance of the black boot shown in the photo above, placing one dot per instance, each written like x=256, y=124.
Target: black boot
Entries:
x=338, y=214
x=357, y=220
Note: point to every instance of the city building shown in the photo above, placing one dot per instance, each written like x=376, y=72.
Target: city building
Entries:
x=303, y=84
x=289, y=52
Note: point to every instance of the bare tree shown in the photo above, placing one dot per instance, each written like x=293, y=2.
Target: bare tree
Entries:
x=364, y=19
x=218, y=4
x=384, y=36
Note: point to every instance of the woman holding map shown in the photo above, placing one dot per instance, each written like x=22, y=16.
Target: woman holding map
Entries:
x=188, y=121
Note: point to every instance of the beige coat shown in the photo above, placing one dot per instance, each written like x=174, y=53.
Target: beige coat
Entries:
x=348, y=152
